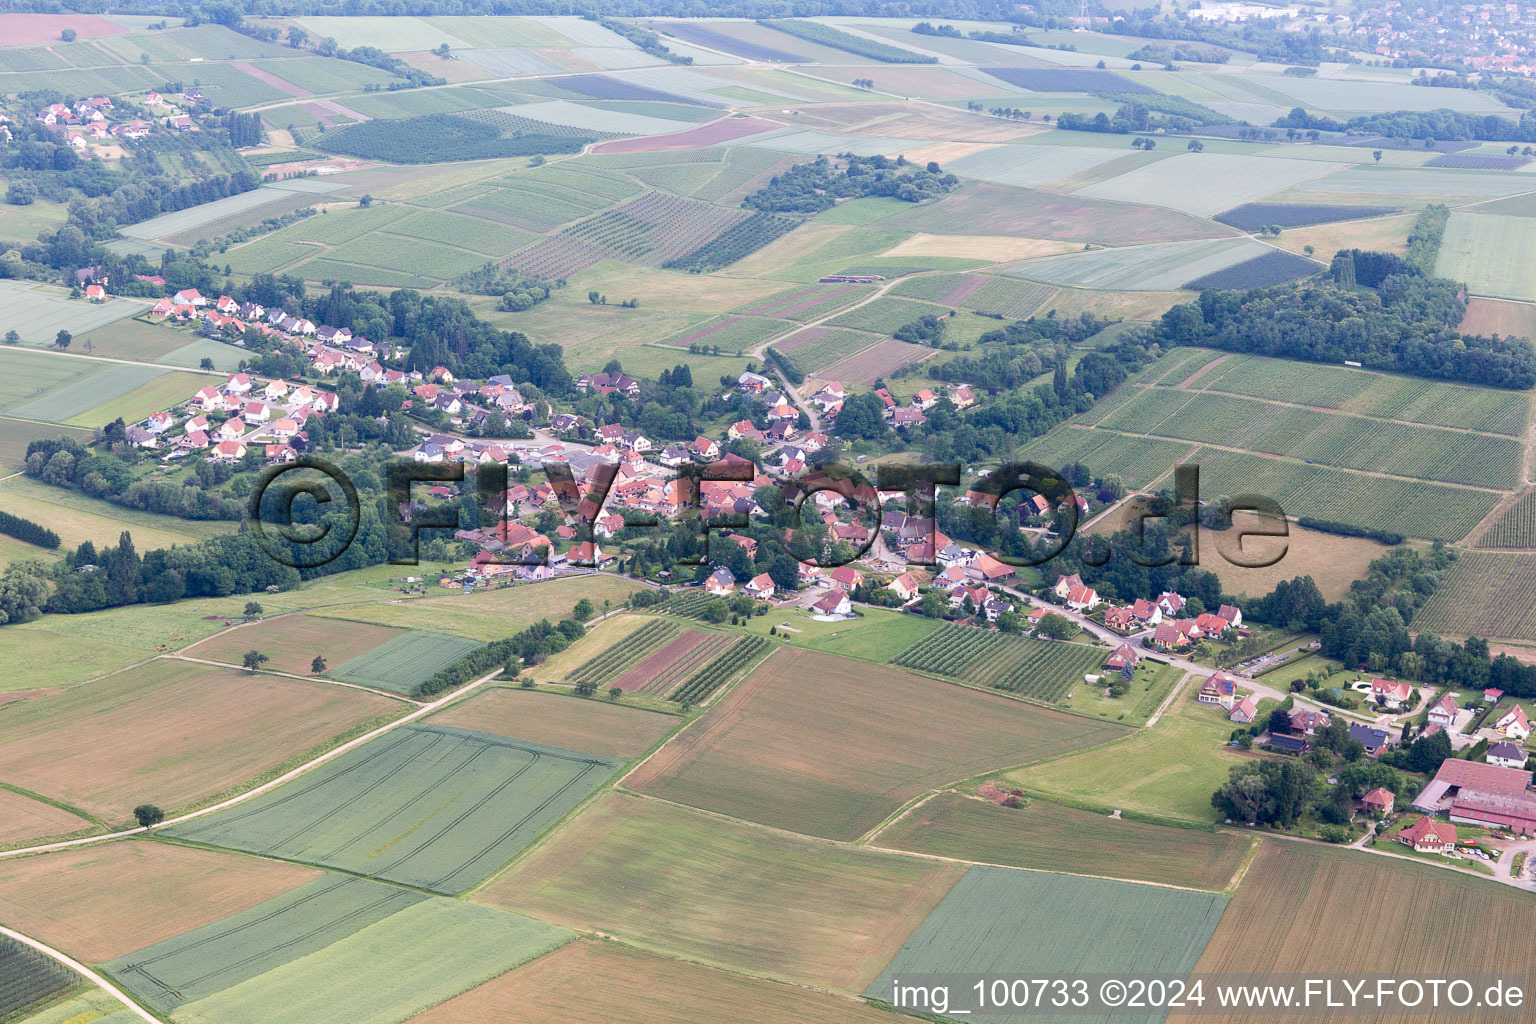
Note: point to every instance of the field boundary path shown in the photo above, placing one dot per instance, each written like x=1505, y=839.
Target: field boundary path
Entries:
x=84, y=971
x=330, y=755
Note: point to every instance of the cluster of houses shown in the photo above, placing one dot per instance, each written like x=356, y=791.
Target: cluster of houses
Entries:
x=223, y=422
x=96, y=118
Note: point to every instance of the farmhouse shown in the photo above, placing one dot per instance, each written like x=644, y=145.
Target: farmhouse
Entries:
x=1289, y=744
x=1481, y=794
x=721, y=582
x=990, y=570
x=1120, y=618
x=1429, y=836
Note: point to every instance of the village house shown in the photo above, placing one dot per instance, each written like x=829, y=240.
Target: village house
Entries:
x=1506, y=755
x=1514, y=724
x=760, y=586
x=721, y=582
x=847, y=577
x=1429, y=836
x=1170, y=602
x=1373, y=740
x=1378, y=801
x=1170, y=636
x=990, y=570
x=1123, y=659
x=1147, y=613
x=834, y=604
x=1289, y=744
x=904, y=586
x=1443, y=712
x=1245, y=710
x=1121, y=619
x=1308, y=721
x=1390, y=693
x=1220, y=689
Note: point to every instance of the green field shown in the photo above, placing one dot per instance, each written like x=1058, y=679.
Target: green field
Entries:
x=1205, y=183
x=457, y=806
x=405, y=662
x=1170, y=770
x=1414, y=399
x=15, y=435
x=485, y=616
x=1054, y=837
x=394, y=968
x=873, y=636
x=1137, y=460
x=1043, y=669
x=1159, y=266
x=886, y=314
x=215, y=957
x=1486, y=594
x=1351, y=442
x=1007, y=923
x=1515, y=528
x=1413, y=509
x=76, y=517
x=156, y=393
x=1492, y=254
x=38, y=313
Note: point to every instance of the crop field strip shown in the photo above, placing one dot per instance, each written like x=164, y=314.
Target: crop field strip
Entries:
x=1004, y=922
x=1042, y=669
x=1428, y=510
x=969, y=828
x=245, y=725
x=877, y=361
x=1515, y=528
x=1137, y=460
x=487, y=798
x=821, y=346
x=560, y=720
x=403, y=663
x=395, y=968
x=1487, y=594
x=619, y=658
x=217, y=956
x=1348, y=441
x=792, y=746
x=1411, y=399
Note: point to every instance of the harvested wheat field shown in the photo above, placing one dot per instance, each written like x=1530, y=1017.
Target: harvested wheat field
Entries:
x=170, y=732
x=292, y=641
x=594, y=982
x=727, y=893
x=997, y=248
x=24, y=820
x=100, y=902
x=560, y=720
x=1499, y=316
x=1328, y=911
x=796, y=745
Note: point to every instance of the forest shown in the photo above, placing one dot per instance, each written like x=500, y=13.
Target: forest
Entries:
x=1405, y=325
x=818, y=185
